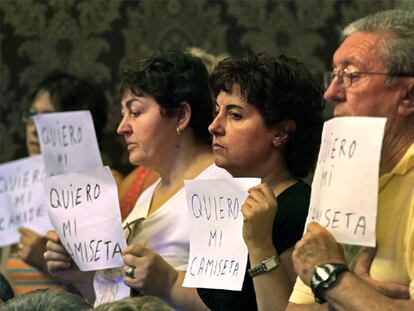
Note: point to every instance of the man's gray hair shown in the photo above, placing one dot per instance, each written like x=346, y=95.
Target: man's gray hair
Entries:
x=397, y=27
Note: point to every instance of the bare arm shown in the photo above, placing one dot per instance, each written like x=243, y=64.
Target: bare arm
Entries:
x=349, y=292
x=154, y=276
x=272, y=288
x=391, y=290
x=308, y=307
x=185, y=298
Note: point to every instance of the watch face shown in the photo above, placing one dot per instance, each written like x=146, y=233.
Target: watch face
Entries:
x=270, y=264
x=323, y=273
x=324, y=276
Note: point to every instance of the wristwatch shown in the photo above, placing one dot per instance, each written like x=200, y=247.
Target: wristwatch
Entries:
x=266, y=265
x=324, y=277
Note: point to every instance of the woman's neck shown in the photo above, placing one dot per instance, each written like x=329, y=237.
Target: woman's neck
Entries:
x=187, y=161
x=279, y=180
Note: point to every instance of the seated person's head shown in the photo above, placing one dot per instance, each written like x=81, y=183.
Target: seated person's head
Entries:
x=209, y=60
x=143, y=303
x=6, y=292
x=63, y=92
x=175, y=86
x=373, y=70
x=268, y=110
x=47, y=300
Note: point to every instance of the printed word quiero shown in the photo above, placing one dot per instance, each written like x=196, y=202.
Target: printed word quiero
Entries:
x=201, y=266
x=214, y=207
x=72, y=197
x=61, y=136
x=20, y=181
x=333, y=148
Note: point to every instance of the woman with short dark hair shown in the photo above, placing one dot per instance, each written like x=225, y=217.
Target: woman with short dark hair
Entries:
x=166, y=108
x=268, y=124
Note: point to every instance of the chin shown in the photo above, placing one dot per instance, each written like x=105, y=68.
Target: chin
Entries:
x=220, y=161
x=339, y=111
x=32, y=150
x=228, y=167
x=134, y=160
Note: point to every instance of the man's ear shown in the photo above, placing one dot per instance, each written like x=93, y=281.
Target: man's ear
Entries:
x=406, y=107
x=184, y=116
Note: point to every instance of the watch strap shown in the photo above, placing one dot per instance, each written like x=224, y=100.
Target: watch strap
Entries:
x=266, y=265
x=333, y=270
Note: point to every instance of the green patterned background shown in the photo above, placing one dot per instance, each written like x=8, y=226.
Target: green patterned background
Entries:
x=92, y=39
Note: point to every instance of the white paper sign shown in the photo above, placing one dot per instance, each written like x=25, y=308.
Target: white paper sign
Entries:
x=83, y=208
x=218, y=254
x=22, y=200
x=68, y=141
x=345, y=185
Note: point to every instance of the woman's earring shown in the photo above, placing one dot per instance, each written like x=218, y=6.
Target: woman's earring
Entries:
x=178, y=131
x=277, y=142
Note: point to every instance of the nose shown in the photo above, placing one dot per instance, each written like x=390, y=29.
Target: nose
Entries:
x=216, y=127
x=335, y=92
x=124, y=128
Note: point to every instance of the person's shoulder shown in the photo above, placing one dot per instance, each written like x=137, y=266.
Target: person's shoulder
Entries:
x=294, y=201
x=118, y=176
x=299, y=190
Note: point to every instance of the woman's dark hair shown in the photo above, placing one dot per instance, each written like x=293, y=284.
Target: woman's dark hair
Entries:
x=6, y=291
x=172, y=79
x=69, y=93
x=282, y=89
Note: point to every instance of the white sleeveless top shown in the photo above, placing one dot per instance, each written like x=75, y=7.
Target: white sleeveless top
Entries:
x=166, y=232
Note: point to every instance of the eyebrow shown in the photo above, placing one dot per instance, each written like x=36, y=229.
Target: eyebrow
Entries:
x=348, y=61
x=33, y=110
x=131, y=101
x=231, y=106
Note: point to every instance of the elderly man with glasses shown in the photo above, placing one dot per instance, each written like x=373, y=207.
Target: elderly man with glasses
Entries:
x=373, y=75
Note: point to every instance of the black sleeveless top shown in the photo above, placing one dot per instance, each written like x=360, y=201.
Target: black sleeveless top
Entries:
x=288, y=228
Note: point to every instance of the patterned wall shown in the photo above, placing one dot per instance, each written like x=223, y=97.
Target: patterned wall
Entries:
x=92, y=39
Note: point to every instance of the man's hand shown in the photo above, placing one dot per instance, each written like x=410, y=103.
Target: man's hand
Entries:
x=316, y=247
x=362, y=267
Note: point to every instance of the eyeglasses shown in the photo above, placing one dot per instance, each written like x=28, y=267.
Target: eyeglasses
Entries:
x=345, y=77
x=27, y=116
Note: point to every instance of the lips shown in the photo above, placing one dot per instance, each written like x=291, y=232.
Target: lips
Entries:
x=131, y=145
x=217, y=146
x=34, y=143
